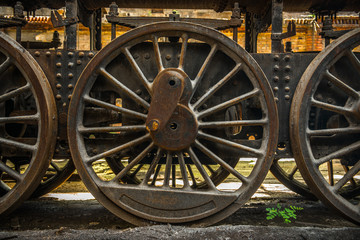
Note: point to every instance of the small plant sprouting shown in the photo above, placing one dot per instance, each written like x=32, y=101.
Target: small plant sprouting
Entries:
x=286, y=213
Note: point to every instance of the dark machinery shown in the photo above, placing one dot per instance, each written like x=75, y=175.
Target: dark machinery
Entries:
x=175, y=109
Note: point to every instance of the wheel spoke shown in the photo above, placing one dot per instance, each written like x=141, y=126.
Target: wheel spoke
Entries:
x=152, y=167
x=157, y=53
x=348, y=177
x=332, y=108
x=110, y=152
x=135, y=161
x=3, y=188
x=338, y=153
x=133, y=174
x=12, y=173
x=222, y=124
x=57, y=169
x=204, y=67
x=333, y=131
x=217, y=86
x=193, y=179
x=228, y=103
x=330, y=172
x=134, y=128
x=14, y=93
x=353, y=59
x=20, y=119
x=156, y=174
x=5, y=65
x=167, y=169
x=346, y=88
x=202, y=171
x=122, y=110
x=12, y=143
x=256, y=152
x=293, y=171
x=183, y=170
x=352, y=180
x=212, y=171
x=173, y=175
x=184, y=45
x=125, y=89
x=138, y=71
x=221, y=162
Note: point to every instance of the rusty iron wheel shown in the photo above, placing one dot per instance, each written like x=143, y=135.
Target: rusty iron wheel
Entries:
x=27, y=135
x=57, y=173
x=161, y=99
x=325, y=125
x=292, y=178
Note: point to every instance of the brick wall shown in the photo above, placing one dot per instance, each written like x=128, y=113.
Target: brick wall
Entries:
x=307, y=38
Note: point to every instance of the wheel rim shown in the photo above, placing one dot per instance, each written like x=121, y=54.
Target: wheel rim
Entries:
x=325, y=124
x=141, y=203
x=25, y=133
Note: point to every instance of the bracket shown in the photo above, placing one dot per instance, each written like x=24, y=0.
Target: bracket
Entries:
x=58, y=21
x=291, y=31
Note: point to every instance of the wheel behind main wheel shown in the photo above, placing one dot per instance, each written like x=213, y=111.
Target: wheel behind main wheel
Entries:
x=325, y=125
x=28, y=124
x=182, y=105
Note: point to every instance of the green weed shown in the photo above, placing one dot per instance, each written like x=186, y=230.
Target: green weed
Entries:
x=285, y=213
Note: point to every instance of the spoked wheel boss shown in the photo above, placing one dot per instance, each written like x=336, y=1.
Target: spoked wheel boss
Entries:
x=188, y=108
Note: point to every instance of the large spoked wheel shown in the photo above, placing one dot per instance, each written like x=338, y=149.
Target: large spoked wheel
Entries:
x=173, y=100
x=325, y=125
x=27, y=124
x=288, y=173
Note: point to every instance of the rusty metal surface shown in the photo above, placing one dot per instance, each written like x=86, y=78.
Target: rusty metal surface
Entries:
x=324, y=125
x=33, y=146
x=62, y=69
x=140, y=74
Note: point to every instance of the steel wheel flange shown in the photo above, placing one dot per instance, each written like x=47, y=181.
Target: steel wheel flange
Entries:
x=168, y=87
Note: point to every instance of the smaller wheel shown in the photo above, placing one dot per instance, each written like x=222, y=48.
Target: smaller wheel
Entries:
x=58, y=172
x=288, y=173
x=28, y=124
x=325, y=125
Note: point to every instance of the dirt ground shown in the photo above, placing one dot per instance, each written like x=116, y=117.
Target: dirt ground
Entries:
x=51, y=218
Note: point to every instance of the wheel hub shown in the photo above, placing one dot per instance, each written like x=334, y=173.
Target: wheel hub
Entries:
x=172, y=125
x=179, y=132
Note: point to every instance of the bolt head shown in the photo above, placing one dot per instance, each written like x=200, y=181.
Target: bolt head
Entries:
x=153, y=125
